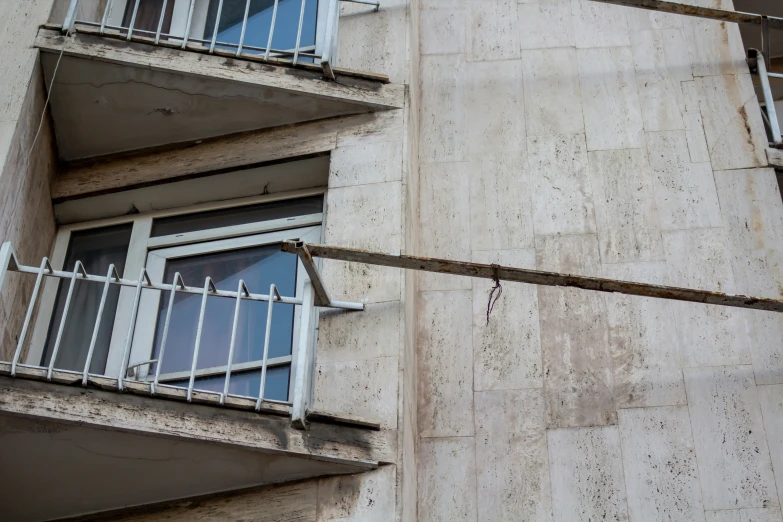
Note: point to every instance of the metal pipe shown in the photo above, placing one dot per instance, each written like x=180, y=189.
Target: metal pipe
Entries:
x=67, y=306
x=177, y=277
x=244, y=27
x=133, y=19
x=160, y=22
x=29, y=316
x=187, y=26
x=217, y=23
x=208, y=285
x=132, y=326
x=267, y=336
x=299, y=400
x=105, y=16
x=366, y=2
x=299, y=32
x=271, y=31
x=536, y=277
x=97, y=327
x=769, y=100
x=240, y=289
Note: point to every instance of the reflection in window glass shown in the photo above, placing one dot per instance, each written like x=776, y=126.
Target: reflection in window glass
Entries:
x=259, y=22
x=246, y=384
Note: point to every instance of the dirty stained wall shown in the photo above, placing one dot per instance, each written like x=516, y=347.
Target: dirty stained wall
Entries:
x=573, y=136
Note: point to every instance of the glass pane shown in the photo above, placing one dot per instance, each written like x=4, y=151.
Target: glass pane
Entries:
x=246, y=384
x=259, y=21
x=237, y=216
x=258, y=267
x=96, y=249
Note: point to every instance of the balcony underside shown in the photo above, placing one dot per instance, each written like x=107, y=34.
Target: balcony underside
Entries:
x=91, y=450
x=111, y=96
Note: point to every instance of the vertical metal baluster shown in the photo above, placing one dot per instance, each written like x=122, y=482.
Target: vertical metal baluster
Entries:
x=299, y=32
x=177, y=277
x=272, y=292
x=28, y=317
x=187, y=26
x=132, y=326
x=271, y=31
x=241, y=288
x=160, y=22
x=217, y=23
x=133, y=19
x=98, y=321
x=105, y=16
x=244, y=27
x=76, y=270
x=208, y=284
x=70, y=17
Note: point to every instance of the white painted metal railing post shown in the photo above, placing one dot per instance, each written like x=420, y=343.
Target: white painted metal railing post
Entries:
x=769, y=99
x=143, y=276
x=187, y=25
x=209, y=286
x=177, y=277
x=329, y=37
x=217, y=24
x=133, y=19
x=70, y=16
x=30, y=309
x=160, y=22
x=78, y=267
x=299, y=32
x=271, y=31
x=105, y=18
x=244, y=27
x=111, y=273
x=241, y=288
x=303, y=367
x=272, y=293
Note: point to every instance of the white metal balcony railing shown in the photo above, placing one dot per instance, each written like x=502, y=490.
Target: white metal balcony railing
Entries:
x=128, y=377
x=308, y=30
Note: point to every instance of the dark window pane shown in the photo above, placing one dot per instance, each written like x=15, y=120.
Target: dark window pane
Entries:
x=246, y=384
x=259, y=22
x=148, y=16
x=96, y=249
x=259, y=267
x=236, y=216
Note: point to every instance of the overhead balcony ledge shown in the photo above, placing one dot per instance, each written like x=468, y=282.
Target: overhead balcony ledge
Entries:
x=112, y=441
x=111, y=95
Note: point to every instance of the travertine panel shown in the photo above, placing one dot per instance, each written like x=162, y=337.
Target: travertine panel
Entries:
x=752, y=208
x=709, y=335
x=365, y=497
x=684, y=191
x=694, y=134
x=351, y=336
x=507, y=349
x=373, y=162
x=546, y=25
x=771, y=398
x=372, y=42
x=492, y=25
x=610, y=97
x=745, y=515
x=553, y=103
x=599, y=25
x=495, y=107
x=362, y=283
x=445, y=220
x=644, y=345
x=714, y=47
x=660, y=67
x=643, y=20
x=732, y=122
x=365, y=216
x=500, y=202
x=587, y=474
x=367, y=389
x=442, y=132
x=562, y=193
x=625, y=208
x=731, y=447
x=443, y=31
x=447, y=480
x=659, y=460
x=574, y=337
x=445, y=364
x=511, y=457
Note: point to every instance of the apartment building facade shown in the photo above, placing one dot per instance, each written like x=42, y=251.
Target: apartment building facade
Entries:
x=171, y=350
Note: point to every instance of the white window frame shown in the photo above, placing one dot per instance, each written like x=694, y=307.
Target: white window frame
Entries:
x=141, y=243
x=149, y=306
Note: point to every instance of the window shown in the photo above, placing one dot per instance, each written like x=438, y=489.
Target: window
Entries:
x=224, y=243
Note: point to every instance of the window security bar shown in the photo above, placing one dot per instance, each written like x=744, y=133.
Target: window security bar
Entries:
x=322, y=52
x=303, y=353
